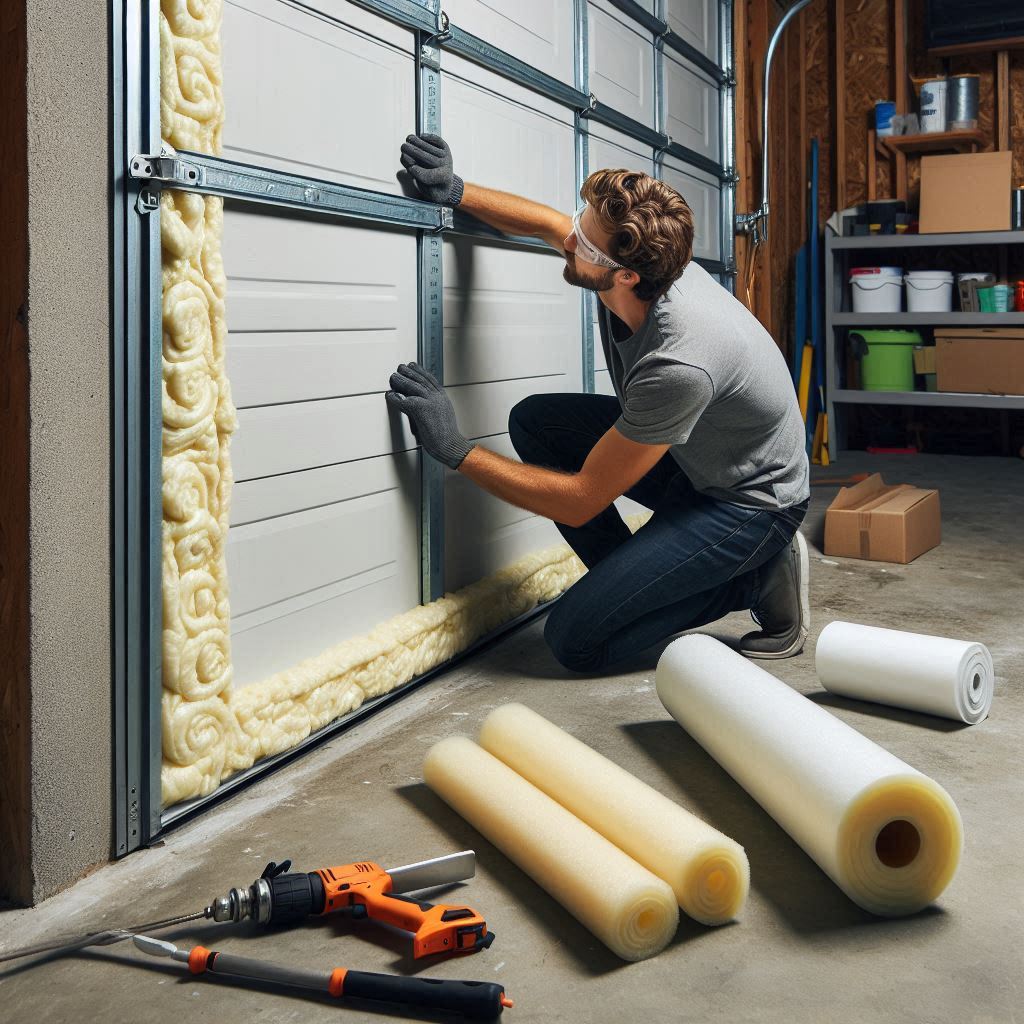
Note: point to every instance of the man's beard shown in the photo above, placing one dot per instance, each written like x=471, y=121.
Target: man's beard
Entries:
x=602, y=283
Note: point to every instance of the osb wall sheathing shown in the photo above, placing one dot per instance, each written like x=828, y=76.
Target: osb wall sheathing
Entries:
x=869, y=77
x=210, y=729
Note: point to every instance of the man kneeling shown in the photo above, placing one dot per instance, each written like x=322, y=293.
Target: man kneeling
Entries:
x=704, y=429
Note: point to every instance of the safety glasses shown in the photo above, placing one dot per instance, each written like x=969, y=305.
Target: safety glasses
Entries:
x=586, y=250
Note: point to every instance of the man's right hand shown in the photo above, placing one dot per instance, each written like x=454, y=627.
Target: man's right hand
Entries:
x=428, y=160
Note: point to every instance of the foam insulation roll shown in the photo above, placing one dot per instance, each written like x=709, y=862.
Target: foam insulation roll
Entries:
x=951, y=678
x=708, y=872
x=886, y=834
x=632, y=911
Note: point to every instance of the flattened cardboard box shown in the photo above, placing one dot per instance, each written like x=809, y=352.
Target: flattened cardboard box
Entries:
x=966, y=192
x=883, y=522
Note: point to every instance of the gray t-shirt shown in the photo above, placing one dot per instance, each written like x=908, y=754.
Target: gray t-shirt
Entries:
x=704, y=376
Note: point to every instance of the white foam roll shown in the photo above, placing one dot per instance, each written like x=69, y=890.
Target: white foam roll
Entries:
x=708, y=871
x=951, y=678
x=886, y=834
x=632, y=911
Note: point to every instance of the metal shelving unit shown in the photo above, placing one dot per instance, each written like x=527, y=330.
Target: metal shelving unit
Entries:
x=839, y=318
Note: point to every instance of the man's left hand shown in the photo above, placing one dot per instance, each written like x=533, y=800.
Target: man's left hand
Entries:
x=418, y=394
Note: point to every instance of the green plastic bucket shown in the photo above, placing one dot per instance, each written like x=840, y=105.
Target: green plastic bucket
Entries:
x=888, y=364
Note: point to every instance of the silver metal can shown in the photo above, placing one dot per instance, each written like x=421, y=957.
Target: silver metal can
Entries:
x=962, y=103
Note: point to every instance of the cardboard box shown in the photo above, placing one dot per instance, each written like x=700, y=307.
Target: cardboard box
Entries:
x=966, y=192
x=924, y=359
x=980, y=360
x=883, y=522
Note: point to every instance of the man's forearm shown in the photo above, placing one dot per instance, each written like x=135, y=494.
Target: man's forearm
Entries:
x=513, y=214
x=546, y=492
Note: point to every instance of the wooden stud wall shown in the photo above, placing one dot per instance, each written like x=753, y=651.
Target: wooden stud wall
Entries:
x=836, y=59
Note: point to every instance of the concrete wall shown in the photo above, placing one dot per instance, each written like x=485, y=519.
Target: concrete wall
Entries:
x=69, y=403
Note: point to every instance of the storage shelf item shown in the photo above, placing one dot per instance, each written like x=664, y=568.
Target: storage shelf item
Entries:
x=916, y=241
x=934, y=142
x=840, y=253
x=954, y=319
x=849, y=396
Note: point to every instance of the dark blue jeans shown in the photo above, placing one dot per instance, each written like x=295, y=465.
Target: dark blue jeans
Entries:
x=695, y=561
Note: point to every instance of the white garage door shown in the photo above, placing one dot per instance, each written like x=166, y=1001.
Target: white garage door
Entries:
x=336, y=272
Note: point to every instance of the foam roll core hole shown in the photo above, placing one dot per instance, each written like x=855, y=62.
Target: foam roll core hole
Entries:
x=897, y=844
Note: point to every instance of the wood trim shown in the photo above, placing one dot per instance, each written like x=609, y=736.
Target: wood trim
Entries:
x=900, y=91
x=872, y=167
x=840, y=94
x=983, y=46
x=1003, y=100
x=15, y=694
x=802, y=155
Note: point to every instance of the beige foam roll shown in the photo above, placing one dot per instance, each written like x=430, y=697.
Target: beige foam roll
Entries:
x=632, y=911
x=887, y=835
x=708, y=872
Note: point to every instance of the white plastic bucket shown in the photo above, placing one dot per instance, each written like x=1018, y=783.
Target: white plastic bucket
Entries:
x=929, y=291
x=877, y=292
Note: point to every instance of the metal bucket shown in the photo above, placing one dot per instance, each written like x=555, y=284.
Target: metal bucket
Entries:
x=962, y=103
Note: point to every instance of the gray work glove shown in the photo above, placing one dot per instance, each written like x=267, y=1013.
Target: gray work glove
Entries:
x=428, y=160
x=417, y=393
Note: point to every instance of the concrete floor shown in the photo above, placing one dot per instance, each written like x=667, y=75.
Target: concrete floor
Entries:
x=803, y=951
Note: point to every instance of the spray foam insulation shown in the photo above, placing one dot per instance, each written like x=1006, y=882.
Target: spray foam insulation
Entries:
x=210, y=729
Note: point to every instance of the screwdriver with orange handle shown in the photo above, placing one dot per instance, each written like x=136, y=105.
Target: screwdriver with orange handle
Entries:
x=281, y=897
x=476, y=999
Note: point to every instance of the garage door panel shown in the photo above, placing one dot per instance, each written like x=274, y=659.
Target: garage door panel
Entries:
x=621, y=62
x=691, y=108
x=276, y=117
x=315, y=309
x=267, y=497
x=538, y=32
x=483, y=409
x=612, y=149
x=696, y=21
x=278, y=439
x=503, y=145
x=483, y=533
x=508, y=313
x=703, y=196
x=305, y=581
x=603, y=381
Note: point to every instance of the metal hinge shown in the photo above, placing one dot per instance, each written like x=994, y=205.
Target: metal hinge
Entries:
x=166, y=169
x=430, y=50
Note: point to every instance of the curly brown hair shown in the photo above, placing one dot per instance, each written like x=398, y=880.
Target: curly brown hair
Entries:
x=650, y=224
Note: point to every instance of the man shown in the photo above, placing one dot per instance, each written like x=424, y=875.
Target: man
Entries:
x=704, y=429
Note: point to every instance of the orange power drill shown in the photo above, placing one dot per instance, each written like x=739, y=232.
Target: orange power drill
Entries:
x=366, y=889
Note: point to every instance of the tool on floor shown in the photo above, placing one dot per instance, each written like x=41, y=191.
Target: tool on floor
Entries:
x=366, y=888
x=477, y=999
x=279, y=896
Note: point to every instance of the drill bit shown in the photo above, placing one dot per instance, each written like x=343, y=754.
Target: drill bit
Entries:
x=61, y=947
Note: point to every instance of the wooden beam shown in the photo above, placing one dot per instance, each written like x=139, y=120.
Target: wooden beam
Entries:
x=15, y=693
x=840, y=136
x=900, y=91
x=1003, y=100
x=802, y=155
x=983, y=46
x=872, y=167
